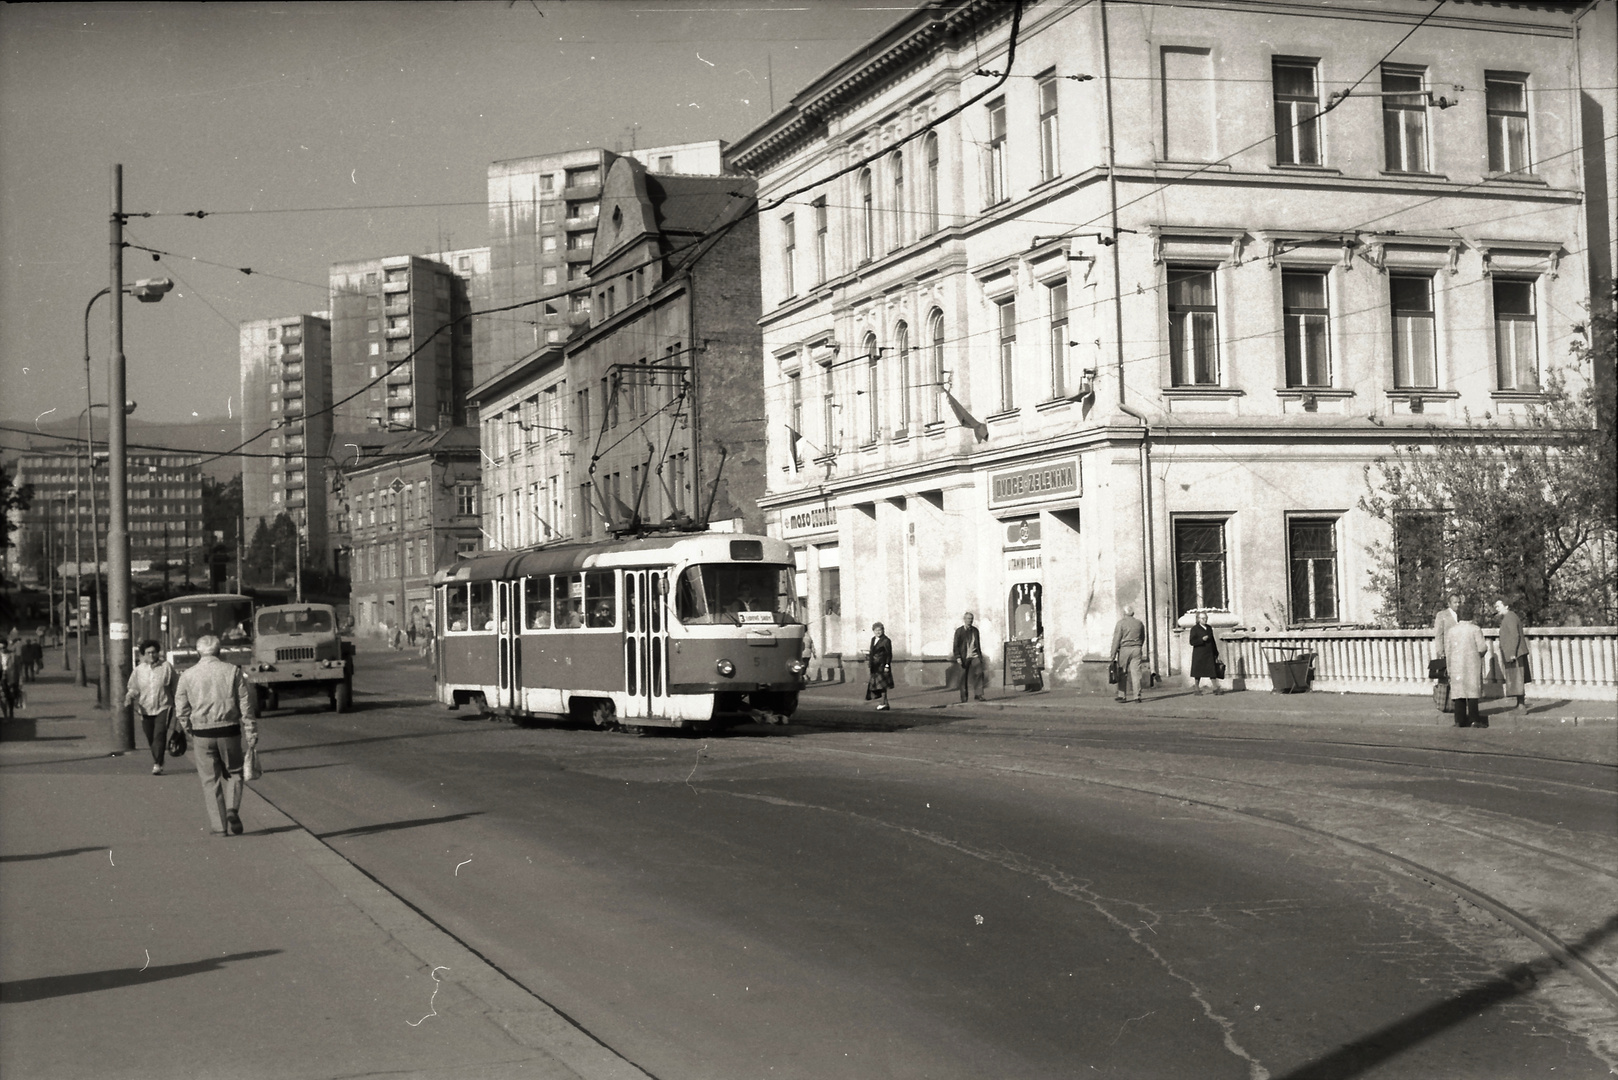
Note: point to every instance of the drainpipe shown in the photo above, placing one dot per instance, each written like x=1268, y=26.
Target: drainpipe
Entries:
x=1148, y=552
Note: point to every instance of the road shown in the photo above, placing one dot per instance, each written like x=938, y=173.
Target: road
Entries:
x=950, y=894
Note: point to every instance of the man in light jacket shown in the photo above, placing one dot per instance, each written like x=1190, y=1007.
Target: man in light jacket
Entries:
x=215, y=706
x=1443, y=623
x=1513, y=654
x=1129, y=653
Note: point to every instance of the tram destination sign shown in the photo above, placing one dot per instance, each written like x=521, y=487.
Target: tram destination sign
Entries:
x=1035, y=483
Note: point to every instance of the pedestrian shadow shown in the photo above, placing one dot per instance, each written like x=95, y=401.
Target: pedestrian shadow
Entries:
x=390, y=826
x=1368, y=1052
x=1559, y=703
x=63, y=854
x=20, y=991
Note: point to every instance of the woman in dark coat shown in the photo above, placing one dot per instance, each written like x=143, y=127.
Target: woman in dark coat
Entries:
x=1204, y=654
x=880, y=659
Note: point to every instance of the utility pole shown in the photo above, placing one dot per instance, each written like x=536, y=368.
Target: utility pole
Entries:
x=123, y=731
x=297, y=557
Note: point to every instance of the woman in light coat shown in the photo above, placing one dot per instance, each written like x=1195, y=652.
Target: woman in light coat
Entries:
x=1464, y=649
x=151, y=692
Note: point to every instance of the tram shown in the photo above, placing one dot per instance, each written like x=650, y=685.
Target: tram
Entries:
x=689, y=630
x=176, y=624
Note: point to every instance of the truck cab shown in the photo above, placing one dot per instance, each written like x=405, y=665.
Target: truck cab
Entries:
x=296, y=647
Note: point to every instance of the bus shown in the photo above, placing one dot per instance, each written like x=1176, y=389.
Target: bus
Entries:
x=691, y=630
x=176, y=624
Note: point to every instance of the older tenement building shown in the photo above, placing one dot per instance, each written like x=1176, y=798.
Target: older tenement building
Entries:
x=1072, y=307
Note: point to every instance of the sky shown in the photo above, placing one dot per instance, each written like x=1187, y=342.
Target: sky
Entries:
x=315, y=133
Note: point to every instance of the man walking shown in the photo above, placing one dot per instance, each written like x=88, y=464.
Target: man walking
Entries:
x=1513, y=654
x=967, y=649
x=215, y=707
x=1128, y=645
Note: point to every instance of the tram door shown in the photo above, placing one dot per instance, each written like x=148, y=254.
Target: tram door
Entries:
x=508, y=628
x=646, y=649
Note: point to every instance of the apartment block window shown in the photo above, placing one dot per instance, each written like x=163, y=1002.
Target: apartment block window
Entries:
x=1193, y=328
x=1199, y=565
x=901, y=349
x=1516, y=336
x=585, y=177
x=1297, y=105
x=1006, y=312
x=1304, y=310
x=929, y=151
x=819, y=206
x=789, y=252
x=867, y=218
x=1188, y=104
x=872, y=391
x=935, y=366
x=547, y=243
x=1404, y=120
x=1312, y=555
x=1057, y=294
x=1415, y=354
x=994, y=162
x=1507, y=98
x=1050, y=162
x=896, y=172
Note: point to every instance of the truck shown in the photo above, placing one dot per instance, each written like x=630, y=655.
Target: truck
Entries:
x=296, y=647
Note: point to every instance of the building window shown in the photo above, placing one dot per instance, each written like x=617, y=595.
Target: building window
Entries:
x=873, y=383
x=1404, y=120
x=1415, y=365
x=1058, y=338
x=1418, y=557
x=1304, y=310
x=994, y=162
x=1297, y=104
x=585, y=177
x=935, y=366
x=1507, y=97
x=795, y=408
x=901, y=349
x=929, y=150
x=820, y=239
x=1199, y=564
x=789, y=252
x=1312, y=554
x=1006, y=314
x=1516, y=337
x=867, y=218
x=896, y=170
x=1193, y=328
x=1188, y=104
x=665, y=163
x=1050, y=161
x=547, y=243
x=466, y=501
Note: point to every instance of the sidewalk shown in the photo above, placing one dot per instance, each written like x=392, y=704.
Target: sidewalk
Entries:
x=135, y=944
x=1254, y=706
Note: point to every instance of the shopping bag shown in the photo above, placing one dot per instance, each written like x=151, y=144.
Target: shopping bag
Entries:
x=250, y=766
x=1112, y=673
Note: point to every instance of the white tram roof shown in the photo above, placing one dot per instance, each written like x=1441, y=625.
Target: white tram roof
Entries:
x=641, y=551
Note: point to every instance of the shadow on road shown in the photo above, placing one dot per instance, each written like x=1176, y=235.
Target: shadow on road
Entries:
x=88, y=982
x=390, y=826
x=1364, y=1054
x=64, y=853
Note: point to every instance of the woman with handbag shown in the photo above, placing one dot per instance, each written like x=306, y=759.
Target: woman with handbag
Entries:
x=880, y=661
x=151, y=692
x=1204, y=655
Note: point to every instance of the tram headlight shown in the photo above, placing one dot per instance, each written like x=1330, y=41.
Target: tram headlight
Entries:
x=797, y=667
x=726, y=668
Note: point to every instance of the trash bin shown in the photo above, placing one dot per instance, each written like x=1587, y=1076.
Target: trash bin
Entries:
x=1289, y=670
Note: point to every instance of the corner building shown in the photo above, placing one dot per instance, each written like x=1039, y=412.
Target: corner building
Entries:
x=1126, y=327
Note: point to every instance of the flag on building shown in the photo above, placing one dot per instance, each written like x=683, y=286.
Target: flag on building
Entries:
x=966, y=419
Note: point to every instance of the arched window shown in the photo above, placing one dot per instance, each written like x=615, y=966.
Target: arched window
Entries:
x=896, y=166
x=935, y=374
x=873, y=384
x=901, y=351
x=867, y=218
x=929, y=150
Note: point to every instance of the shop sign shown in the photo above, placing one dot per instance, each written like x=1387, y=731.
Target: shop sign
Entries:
x=814, y=519
x=1022, y=564
x=1024, y=533
x=1046, y=481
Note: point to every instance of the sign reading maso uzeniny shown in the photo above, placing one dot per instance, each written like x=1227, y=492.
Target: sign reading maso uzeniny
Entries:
x=1034, y=483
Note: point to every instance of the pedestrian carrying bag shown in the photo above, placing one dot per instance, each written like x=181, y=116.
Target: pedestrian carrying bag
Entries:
x=177, y=742
x=250, y=765
x=1112, y=673
x=1219, y=669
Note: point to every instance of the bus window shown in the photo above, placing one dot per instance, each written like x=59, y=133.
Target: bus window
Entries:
x=601, y=598
x=455, y=607
x=536, y=598
x=481, y=605
x=229, y=620
x=726, y=592
x=569, y=601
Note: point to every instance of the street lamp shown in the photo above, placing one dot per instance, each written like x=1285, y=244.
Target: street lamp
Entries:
x=148, y=291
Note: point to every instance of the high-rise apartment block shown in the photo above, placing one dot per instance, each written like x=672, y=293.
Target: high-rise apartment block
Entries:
x=286, y=386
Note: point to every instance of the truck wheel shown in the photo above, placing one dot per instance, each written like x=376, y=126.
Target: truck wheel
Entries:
x=342, y=697
x=268, y=699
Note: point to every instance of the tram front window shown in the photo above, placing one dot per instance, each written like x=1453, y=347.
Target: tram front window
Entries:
x=727, y=592
x=231, y=621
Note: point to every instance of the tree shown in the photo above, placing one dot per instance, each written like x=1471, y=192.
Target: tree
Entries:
x=222, y=508
x=12, y=498
x=270, y=558
x=1524, y=510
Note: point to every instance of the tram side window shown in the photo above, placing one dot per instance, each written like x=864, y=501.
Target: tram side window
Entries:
x=601, y=598
x=536, y=592
x=569, y=601
x=455, y=607
x=481, y=601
